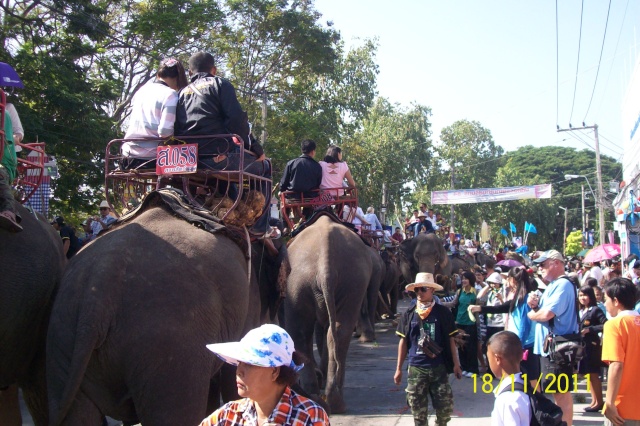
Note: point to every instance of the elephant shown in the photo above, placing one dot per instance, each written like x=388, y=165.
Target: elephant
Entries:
x=331, y=269
x=365, y=329
x=390, y=284
x=32, y=266
x=134, y=312
x=423, y=253
x=482, y=258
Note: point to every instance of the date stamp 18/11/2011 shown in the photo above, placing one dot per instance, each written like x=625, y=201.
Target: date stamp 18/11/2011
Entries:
x=561, y=381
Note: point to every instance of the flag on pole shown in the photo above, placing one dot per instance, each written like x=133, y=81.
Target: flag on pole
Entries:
x=532, y=229
x=504, y=232
x=513, y=227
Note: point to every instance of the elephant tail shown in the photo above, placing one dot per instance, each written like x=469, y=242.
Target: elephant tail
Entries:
x=327, y=282
x=69, y=355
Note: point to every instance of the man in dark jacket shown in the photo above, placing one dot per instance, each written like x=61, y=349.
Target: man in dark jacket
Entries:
x=426, y=333
x=70, y=242
x=302, y=175
x=209, y=106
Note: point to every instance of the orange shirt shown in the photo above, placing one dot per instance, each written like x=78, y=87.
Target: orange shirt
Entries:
x=621, y=342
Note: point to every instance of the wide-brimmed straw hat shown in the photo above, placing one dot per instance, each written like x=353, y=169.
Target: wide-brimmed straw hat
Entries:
x=424, y=279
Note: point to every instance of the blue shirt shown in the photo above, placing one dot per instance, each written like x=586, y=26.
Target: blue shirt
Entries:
x=559, y=298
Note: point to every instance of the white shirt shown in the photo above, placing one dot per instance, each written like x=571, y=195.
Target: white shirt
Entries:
x=153, y=114
x=16, y=124
x=511, y=408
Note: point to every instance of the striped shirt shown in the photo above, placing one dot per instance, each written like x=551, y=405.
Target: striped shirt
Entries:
x=153, y=115
x=292, y=410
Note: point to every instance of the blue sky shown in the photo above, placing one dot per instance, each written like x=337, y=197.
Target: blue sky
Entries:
x=495, y=62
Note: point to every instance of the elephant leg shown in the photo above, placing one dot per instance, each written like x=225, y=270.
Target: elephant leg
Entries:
x=83, y=412
x=10, y=407
x=393, y=296
x=320, y=334
x=34, y=392
x=337, y=365
x=368, y=314
x=175, y=398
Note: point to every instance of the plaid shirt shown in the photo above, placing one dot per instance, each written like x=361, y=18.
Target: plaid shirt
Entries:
x=292, y=410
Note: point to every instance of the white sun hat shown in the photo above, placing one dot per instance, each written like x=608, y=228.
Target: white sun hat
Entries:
x=265, y=346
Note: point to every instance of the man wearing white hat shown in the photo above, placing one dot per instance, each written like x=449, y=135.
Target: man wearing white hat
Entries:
x=105, y=218
x=426, y=333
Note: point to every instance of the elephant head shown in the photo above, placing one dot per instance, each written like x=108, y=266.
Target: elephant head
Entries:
x=423, y=253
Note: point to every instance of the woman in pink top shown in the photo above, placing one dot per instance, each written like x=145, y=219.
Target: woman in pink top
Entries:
x=334, y=171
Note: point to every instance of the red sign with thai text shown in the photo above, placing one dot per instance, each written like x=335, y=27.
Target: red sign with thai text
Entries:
x=177, y=159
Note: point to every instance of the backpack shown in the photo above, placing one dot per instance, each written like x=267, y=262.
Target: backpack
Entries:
x=543, y=411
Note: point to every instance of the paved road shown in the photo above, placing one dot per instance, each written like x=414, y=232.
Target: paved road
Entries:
x=373, y=399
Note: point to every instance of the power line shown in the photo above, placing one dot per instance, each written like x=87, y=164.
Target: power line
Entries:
x=599, y=62
x=615, y=52
x=557, y=69
x=575, y=86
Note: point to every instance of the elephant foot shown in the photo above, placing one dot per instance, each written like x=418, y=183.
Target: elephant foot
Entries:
x=367, y=338
x=336, y=403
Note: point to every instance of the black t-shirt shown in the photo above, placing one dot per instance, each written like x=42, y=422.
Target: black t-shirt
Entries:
x=439, y=324
x=67, y=233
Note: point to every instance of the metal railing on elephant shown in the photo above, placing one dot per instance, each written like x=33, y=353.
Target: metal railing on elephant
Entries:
x=30, y=170
x=227, y=181
x=343, y=201
x=3, y=104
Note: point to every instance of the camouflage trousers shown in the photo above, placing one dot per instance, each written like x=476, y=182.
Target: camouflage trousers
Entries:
x=422, y=382
x=6, y=194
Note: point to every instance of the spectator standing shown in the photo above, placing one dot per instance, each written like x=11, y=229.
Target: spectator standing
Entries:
x=558, y=303
x=70, y=243
x=465, y=298
x=427, y=321
x=620, y=349
x=633, y=273
x=592, y=321
x=512, y=407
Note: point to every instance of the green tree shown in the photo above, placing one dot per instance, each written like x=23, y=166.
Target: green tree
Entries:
x=467, y=150
x=393, y=147
x=574, y=243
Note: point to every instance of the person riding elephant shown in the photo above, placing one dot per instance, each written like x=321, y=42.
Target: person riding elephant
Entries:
x=32, y=265
x=330, y=273
x=128, y=334
x=9, y=216
x=423, y=253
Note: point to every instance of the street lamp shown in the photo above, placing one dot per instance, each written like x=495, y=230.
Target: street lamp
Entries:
x=599, y=204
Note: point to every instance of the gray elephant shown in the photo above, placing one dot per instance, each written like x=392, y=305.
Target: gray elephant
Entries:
x=390, y=290
x=423, y=253
x=365, y=329
x=32, y=265
x=134, y=312
x=331, y=269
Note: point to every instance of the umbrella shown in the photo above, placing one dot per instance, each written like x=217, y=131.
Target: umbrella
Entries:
x=583, y=253
x=509, y=263
x=602, y=252
x=9, y=77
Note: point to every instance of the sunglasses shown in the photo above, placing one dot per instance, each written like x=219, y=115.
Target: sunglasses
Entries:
x=104, y=208
x=422, y=289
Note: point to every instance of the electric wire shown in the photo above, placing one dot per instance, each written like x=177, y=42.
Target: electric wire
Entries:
x=575, y=86
x=595, y=82
x=557, y=69
x=615, y=51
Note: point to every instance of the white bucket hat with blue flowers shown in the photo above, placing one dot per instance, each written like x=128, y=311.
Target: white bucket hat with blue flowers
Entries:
x=265, y=346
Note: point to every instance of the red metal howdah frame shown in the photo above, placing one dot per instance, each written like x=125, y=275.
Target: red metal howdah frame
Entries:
x=222, y=190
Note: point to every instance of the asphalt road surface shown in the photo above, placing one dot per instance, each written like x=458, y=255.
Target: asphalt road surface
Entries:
x=373, y=399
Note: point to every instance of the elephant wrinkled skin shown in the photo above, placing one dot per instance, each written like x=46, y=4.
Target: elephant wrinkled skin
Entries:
x=423, y=253
x=30, y=272
x=331, y=269
x=133, y=315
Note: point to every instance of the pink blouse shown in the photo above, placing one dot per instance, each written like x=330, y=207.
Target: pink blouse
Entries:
x=333, y=175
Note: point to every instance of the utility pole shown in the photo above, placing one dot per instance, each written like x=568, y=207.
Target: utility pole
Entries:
x=383, y=208
x=453, y=216
x=263, y=137
x=583, y=228
x=600, y=195
x=564, y=234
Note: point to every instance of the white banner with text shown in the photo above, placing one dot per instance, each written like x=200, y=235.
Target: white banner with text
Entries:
x=490, y=195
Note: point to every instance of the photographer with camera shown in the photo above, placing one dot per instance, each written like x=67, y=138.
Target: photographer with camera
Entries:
x=426, y=333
